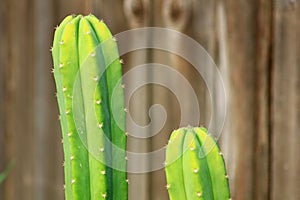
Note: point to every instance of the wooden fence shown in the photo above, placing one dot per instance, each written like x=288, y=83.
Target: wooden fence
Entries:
x=254, y=43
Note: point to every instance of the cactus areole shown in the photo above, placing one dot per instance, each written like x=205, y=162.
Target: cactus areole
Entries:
x=88, y=72
x=195, y=167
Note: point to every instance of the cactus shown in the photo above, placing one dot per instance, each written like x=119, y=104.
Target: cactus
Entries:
x=87, y=72
x=195, y=167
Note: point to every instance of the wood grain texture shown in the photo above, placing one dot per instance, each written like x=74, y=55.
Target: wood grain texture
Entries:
x=19, y=105
x=286, y=101
x=6, y=92
x=254, y=43
x=203, y=29
x=136, y=13
x=174, y=15
x=48, y=168
x=240, y=125
x=3, y=84
x=262, y=148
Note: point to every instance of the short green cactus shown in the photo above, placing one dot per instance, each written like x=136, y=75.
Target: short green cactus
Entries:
x=87, y=72
x=195, y=167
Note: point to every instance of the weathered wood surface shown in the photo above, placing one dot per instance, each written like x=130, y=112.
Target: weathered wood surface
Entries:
x=255, y=44
x=137, y=15
x=19, y=144
x=263, y=61
x=285, y=101
x=3, y=96
x=240, y=123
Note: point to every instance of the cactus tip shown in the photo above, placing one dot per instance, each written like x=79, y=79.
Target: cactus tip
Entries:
x=79, y=15
x=75, y=38
x=190, y=164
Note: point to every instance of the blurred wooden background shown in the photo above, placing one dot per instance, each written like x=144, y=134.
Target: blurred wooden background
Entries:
x=255, y=44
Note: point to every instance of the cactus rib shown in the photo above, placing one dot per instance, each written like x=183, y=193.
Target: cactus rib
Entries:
x=195, y=167
x=85, y=80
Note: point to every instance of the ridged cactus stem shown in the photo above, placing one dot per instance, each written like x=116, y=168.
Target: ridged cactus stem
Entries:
x=88, y=72
x=195, y=167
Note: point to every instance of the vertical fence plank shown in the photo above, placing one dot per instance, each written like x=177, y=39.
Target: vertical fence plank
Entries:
x=286, y=101
x=3, y=84
x=203, y=28
x=8, y=185
x=48, y=148
x=137, y=15
x=20, y=95
x=241, y=93
x=262, y=111
x=162, y=96
x=195, y=20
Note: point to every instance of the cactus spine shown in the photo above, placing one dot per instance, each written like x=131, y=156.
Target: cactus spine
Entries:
x=87, y=72
x=195, y=167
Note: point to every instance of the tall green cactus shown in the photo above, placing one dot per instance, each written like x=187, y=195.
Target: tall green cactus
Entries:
x=87, y=72
x=195, y=167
